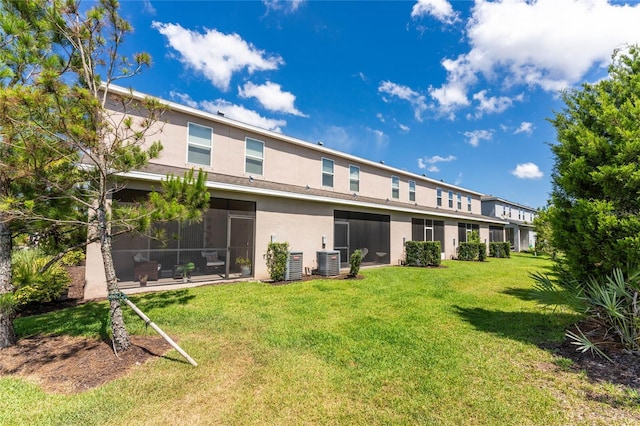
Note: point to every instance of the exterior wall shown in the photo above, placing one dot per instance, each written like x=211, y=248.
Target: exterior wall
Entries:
x=302, y=225
x=286, y=162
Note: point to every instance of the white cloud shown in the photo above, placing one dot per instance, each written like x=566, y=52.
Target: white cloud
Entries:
x=474, y=137
x=527, y=171
x=380, y=117
x=271, y=96
x=458, y=180
x=525, y=127
x=403, y=127
x=493, y=104
x=183, y=98
x=240, y=113
x=148, y=8
x=429, y=163
x=551, y=44
x=287, y=6
x=338, y=138
x=405, y=93
x=380, y=139
x=439, y=9
x=216, y=55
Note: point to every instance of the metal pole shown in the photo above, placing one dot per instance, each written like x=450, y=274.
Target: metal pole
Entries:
x=160, y=332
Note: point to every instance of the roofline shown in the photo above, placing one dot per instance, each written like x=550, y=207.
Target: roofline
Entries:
x=155, y=177
x=275, y=135
x=502, y=200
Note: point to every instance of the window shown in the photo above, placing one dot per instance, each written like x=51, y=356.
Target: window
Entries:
x=412, y=190
x=465, y=230
x=354, y=178
x=395, y=187
x=509, y=211
x=199, y=144
x=504, y=211
x=450, y=199
x=439, y=197
x=428, y=230
x=254, y=156
x=468, y=203
x=327, y=172
x=459, y=204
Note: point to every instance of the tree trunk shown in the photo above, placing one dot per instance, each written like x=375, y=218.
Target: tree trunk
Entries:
x=120, y=336
x=7, y=333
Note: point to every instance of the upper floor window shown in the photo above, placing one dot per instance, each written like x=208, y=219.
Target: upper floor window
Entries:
x=199, y=144
x=395, y=187
x=459, y=204
x=468, y=203
x=354, y=178
x=509, y=211
x=450, y=199
x=327, y=172
x=412, y=190
x=504, y=211
x=439, y=197
x=254, y=156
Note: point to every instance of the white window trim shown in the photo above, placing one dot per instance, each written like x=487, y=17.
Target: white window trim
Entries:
x=439, y=197
x=395, y=184
x=189, y=143
x=412, y=191
x=458, y=201
x=469, y=203
x=354, y=180
x=322, y=172
x=246, y=154
x=450, y=198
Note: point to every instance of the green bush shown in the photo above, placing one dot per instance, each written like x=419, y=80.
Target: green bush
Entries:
x=610, y=301
x=73, y=258
x=471, y=251
x=276, y=257
x=33, y=286
x=422, y=253
x=500, y=249
x=482, y=252
x=355, y=260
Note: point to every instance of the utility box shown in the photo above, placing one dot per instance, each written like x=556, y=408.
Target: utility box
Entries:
x=294, y=266
x=328, y=262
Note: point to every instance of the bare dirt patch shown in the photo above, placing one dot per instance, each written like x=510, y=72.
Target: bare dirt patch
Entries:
x=66, y=364
x=623, y=369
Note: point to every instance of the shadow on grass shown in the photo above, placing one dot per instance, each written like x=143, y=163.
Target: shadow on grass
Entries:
x=92, y=318
x=528, y=327
x=82, y=320
x=162, y=299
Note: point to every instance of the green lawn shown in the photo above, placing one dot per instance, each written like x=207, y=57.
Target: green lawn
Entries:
x=456, y=345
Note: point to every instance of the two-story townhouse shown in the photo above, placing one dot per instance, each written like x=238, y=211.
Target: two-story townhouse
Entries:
x=266, y=186
x=520, y=231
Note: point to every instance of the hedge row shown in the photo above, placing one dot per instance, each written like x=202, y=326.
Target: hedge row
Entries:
x=472, y=251
x=422, y=253
x=500, y=249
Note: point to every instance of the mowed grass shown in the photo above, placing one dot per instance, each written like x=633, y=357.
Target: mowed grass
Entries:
x=456, y=345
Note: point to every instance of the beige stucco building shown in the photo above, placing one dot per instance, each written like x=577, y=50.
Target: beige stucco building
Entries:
x=266, y=186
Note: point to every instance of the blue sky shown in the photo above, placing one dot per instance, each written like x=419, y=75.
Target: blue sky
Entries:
x=457, y=90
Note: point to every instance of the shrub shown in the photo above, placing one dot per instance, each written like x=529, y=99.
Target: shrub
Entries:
x=468, y=251
x=32, y=285
x=73, y=258
x=611, y=302
x=355, y=260
x=422, y=253
x=471, y=251
x=500, y=249
x=276, y=258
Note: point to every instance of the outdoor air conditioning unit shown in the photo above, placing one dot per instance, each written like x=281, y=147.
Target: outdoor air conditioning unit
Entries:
x=328, y=262
x=294, y=266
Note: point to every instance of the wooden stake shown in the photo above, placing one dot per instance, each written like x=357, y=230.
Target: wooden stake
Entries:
x=160, y=332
